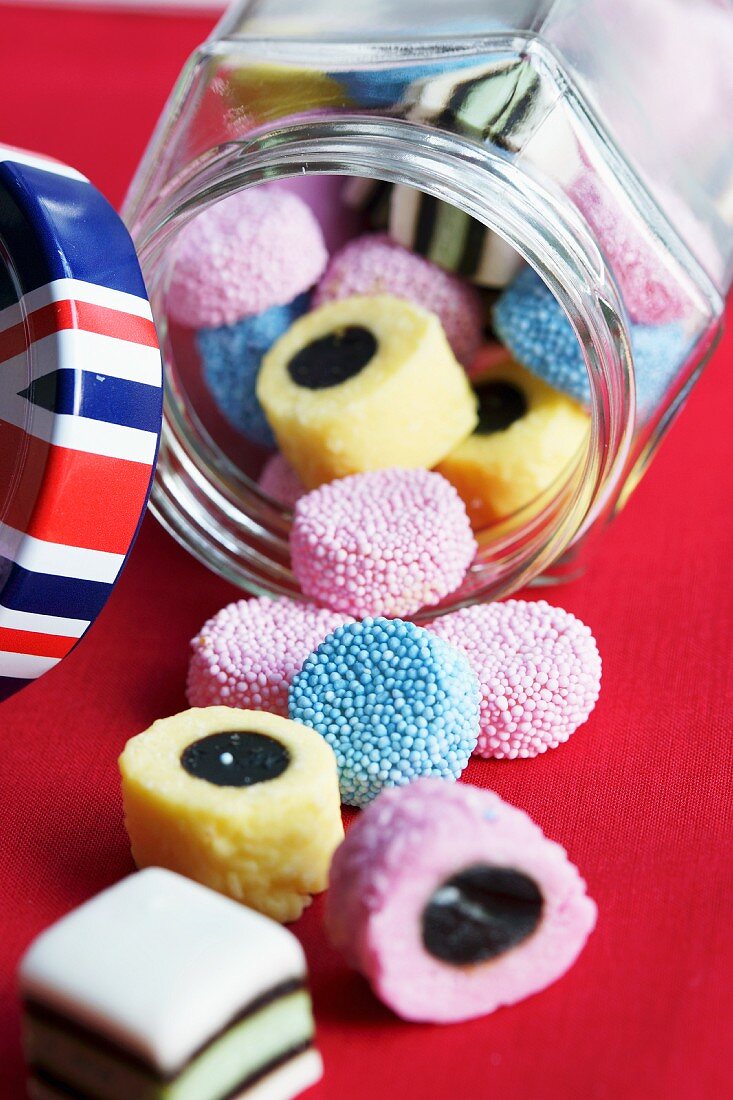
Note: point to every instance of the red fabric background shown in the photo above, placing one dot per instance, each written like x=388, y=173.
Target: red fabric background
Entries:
x=641, y=797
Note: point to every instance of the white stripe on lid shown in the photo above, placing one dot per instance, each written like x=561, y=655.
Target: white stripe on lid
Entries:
x=40, y=556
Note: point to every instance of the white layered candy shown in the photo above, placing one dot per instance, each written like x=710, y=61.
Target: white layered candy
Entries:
x=160, y=989
x=505, y=104
x=450, y=238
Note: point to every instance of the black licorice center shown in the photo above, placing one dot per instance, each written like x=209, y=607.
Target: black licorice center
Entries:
x=479, y=914
x=499, y=405
x=235, y=759
x=333, y=359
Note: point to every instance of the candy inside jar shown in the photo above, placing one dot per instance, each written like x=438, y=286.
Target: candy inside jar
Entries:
x=322, y=327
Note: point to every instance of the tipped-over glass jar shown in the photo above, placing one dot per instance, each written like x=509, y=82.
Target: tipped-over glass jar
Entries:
x=585, y=139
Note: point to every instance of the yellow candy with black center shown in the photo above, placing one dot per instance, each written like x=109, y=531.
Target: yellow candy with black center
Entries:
x=527, y=436
x=242, y=801
x=365, y=383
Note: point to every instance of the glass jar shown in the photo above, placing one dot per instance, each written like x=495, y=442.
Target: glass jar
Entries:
x=605, y=165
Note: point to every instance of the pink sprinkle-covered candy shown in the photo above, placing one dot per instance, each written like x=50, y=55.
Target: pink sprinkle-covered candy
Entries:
x=649, y=290
x=251, y=251
x=539, y=671
x=453, y=903
x=375, y=264
x=280, y=481
x=387, y=542
x=247, y=654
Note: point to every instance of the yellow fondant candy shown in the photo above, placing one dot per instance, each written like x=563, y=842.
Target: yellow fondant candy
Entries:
x=528, y=434
x=242, y=801
x=364, y=384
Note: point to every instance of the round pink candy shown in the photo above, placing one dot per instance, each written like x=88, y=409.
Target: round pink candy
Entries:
x=280, y=481
x=250, y=251
x=375, y=264
x=648, y=287
x=539, y=670
x=386, y=542
x=247, y=654
x=400, y=851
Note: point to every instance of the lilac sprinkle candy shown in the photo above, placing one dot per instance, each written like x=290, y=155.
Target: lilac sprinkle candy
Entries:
x=251, y=251
x=387, y=542
x=247, y=654
x=539, y=671
x=375, y=264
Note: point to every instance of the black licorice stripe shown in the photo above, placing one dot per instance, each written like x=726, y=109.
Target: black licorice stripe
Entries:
x=40, y=1013
x=64, y=1089
x=517, y=113
x=473, y=247
x=460, y=95
x=377, y=196
x=428, y=218
x=427, y=213
x=43, y=1077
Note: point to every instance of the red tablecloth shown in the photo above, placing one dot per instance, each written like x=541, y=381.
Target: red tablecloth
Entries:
x=641, y=797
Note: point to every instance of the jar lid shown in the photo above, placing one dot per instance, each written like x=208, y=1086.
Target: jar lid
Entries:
x=80, y=409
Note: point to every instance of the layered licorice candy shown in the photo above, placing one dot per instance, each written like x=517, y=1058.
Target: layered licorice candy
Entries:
x=160, y=989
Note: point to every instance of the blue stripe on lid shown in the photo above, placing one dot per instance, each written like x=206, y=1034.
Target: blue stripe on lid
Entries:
x=97, y=397
x=47, y=594
x=75, y=232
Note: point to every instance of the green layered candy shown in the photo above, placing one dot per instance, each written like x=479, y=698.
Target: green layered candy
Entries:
x=261, y=1040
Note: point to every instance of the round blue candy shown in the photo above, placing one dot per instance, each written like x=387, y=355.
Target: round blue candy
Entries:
x=231, y=356
x=530, y=321
x=394, y=702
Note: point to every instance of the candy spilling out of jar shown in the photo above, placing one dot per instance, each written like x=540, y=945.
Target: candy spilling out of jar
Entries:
x=424, y=344
x=384, y=715
x=396, y=701
x=450, y=901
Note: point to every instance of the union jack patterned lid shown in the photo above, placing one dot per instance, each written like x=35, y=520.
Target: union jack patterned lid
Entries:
x=80, y=409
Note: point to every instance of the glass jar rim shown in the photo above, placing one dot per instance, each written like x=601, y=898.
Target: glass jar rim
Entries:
x=221, y=516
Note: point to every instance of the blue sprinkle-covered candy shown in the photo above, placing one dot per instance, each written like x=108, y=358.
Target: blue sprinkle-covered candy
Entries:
x=394, y=702
x=231, y=356
x=530, y=321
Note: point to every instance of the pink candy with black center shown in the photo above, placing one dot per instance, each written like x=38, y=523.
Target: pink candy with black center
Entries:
x=250, y=251
x=539, y=670
x=375, y=264
x=247, y=654
x=280, y=481
x=386, y=542
x=402, y=909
